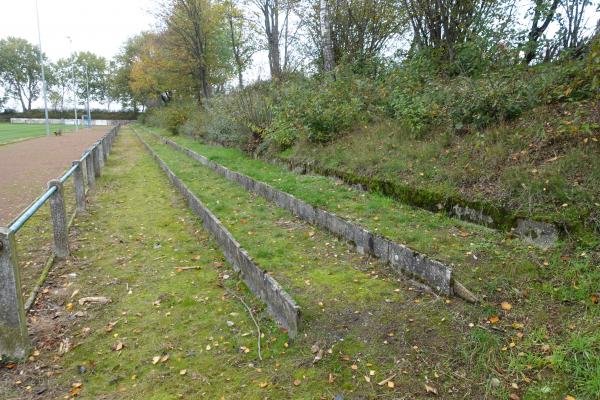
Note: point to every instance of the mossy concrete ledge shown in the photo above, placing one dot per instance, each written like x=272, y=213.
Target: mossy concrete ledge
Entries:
x=404, y=260
x=280, y=304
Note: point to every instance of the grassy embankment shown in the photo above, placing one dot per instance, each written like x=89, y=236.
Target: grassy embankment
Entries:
x=544, y=165
x=552, y=291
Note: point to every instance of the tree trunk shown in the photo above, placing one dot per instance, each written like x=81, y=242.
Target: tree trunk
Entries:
x=537, y=31
x=328, y=59
x=236, y=52
x=271, y=14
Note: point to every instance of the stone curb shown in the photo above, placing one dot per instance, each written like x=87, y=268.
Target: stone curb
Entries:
x=404, y=260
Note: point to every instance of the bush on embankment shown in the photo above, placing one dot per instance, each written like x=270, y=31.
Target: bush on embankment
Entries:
x=521, y=138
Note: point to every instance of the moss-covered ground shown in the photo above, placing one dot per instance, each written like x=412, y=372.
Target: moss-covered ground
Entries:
x=553, y=296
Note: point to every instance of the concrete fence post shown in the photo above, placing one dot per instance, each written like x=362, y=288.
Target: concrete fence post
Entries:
x=91, y=174
x=59, y=219
x=104, y=143
x=79, y=186
x=97, y=160
x=14, y=342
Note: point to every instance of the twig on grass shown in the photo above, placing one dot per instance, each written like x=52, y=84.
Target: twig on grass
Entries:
x=251, y=316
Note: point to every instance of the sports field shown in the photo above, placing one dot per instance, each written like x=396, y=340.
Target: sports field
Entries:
x=15, y=132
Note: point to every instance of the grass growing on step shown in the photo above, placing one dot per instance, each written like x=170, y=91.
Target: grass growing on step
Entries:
x=550, y=288
x=350, y=303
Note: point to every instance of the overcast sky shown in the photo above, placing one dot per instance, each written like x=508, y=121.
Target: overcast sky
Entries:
x=97, y=26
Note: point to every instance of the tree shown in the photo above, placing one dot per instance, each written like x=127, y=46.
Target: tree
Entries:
x=60, y=83
x=90, y=70
x=358, y=30
x=121, y=73
x=445, y=25
x=571, y=22
x=325, y=20
x=196, y=36
x=543, y=12
x=269, y=12
x=20, y=70
x=241, y=34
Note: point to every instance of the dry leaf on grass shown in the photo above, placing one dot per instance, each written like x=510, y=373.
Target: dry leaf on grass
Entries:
x=431, y=389
x=506, y=306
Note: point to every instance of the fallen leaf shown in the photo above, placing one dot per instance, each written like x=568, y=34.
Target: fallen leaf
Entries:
x=594, y=298
x=431, y=389
x=367, y=379
x=319, y=356
x=494, y=319
x=331, y=378
x=506, y=306
x=164, y=358
x=183, y=372
x=297, y=382
x=155, y=360
x=263, y=385
x=391, y=384
x=354, y=367
x=118, y=346
x=69, y=307
x=514, y=396
x=569, y=397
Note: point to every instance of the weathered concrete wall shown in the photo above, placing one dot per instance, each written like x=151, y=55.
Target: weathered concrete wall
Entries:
x=280, y=304
x=435, y=274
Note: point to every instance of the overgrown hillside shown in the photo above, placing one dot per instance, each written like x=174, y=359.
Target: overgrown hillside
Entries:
x=522, y=140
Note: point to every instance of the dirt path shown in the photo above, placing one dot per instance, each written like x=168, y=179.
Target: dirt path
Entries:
x=26, y=167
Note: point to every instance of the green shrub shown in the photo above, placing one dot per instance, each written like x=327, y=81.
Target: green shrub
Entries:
x=320, y=111
x=423, y=99
x=173, y=116
x=221, y=124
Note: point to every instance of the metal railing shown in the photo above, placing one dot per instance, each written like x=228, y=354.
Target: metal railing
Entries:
x=14, y=340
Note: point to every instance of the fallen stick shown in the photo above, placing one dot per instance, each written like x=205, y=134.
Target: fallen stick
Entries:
x=100, y=300
x=251, y=316
x=179, y=269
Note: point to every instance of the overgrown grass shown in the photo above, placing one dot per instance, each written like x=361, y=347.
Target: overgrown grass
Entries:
x=551, y=288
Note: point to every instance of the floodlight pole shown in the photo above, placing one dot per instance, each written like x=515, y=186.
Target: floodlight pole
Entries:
x=74, y=86
x=87, y=89
x=44, y=86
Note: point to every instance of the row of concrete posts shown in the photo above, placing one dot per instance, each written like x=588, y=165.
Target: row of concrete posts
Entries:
x=14, y=339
